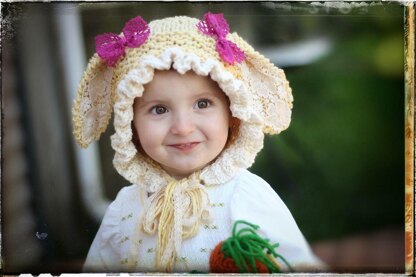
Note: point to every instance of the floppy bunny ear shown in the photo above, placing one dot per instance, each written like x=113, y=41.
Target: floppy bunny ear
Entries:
x=93, y=104
x=269, y=87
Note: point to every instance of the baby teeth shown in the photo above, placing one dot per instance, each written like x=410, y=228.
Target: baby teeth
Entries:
x=185, y=145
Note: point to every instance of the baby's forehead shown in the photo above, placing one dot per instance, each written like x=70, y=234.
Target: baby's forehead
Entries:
x=166, y=80
x=189, y=77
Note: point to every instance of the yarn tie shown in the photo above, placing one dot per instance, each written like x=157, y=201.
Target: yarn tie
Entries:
x=216, y=26
x=175, y=212
x=111, y=47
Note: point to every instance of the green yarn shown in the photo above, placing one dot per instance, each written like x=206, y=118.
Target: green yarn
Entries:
x=245, y=247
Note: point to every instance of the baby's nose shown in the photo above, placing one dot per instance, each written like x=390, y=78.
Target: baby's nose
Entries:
x=182, y=124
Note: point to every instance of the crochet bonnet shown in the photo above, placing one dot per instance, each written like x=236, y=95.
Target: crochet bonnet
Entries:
x=259, y=94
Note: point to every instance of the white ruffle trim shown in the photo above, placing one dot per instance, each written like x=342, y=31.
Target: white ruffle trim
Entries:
x=139, y=169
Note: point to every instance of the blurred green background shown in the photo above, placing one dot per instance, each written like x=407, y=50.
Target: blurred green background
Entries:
x=339, y=167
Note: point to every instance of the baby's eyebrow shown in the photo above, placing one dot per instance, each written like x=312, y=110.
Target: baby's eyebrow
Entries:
x=146, y=102
x=142, y=101
x=211, y=92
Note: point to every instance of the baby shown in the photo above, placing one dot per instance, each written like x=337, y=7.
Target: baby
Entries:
x=191, y=105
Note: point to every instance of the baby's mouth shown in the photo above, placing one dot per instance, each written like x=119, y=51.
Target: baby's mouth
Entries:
x=184, y=146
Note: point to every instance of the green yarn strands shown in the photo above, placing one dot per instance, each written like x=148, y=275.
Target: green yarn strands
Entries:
x=246, y=247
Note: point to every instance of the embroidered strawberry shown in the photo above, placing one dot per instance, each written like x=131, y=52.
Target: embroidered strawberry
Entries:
x=245, y=252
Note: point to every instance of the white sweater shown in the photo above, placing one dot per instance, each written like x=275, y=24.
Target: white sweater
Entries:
x=245, y=197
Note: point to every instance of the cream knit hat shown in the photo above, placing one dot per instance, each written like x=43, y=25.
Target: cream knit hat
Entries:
x=259, y=94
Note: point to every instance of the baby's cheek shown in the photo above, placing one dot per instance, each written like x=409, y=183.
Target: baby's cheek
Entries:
x=148, y=133
x=220, y=127
x=152, y=136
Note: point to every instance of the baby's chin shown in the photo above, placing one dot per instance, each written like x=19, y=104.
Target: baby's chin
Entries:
x=182, y=172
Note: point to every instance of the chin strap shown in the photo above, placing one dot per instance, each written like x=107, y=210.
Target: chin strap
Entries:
x=176, y=211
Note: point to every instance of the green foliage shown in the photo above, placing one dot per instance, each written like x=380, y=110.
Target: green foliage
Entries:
x=340, y=165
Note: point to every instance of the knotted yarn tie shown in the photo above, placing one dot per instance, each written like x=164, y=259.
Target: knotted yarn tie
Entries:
x=176, y=212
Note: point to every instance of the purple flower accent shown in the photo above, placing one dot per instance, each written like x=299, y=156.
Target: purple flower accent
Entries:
x=111, y=47
x=216, y=26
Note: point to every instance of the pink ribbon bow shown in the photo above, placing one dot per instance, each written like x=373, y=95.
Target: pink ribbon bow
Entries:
x=215, y=25
x=111, y=47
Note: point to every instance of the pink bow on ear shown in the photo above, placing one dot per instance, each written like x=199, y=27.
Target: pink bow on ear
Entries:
x=215, y=25
x=111, y=47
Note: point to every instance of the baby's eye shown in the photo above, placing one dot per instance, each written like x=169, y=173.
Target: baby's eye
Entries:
x=203, y=104
x=158, y=110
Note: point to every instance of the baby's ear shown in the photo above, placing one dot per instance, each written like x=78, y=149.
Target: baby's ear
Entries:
x=270, y=89
x=93, y=104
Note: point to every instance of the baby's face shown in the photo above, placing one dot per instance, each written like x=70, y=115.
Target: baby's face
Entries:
x=182, y=121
